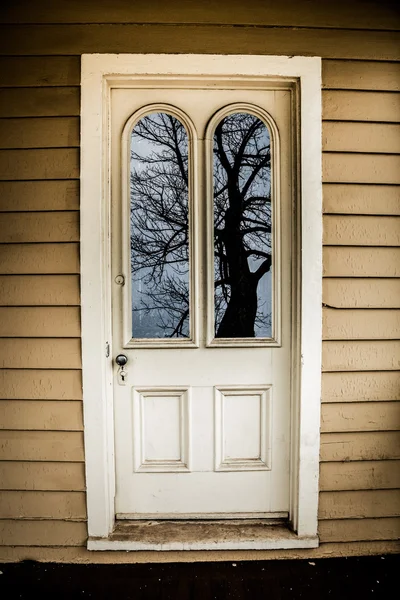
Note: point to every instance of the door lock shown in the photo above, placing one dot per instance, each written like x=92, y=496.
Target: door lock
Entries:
x=121, y=361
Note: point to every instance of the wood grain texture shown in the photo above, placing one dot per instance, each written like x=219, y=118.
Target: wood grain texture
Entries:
x=359, y=504
x=350, y=261
x=40, y=71
x=43, y=505
x=361, y=293
x=343, y=105
x=361, y=75
x=360, y=416
x=361, y=355
x=34, y=290
x=57, y=163
x=39, y=227
x=361, y=199
x=359, y=324
x=39, y=102
x=39, y=258
x=361, y=386
x=42, y=533
x=287, y=12
x=39, y=195
x=38, y=321
x=41, y=353
x=360, y=137
x=360, y=168
x=66, y=40
x=359, y=529
x=36, y=415
x=359, y=475
x=54, y=132
x=40, y=384
x=351, y=230
x=42, y=476
x=45, y=446
x=382, y=445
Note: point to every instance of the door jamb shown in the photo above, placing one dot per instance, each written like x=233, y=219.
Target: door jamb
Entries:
x=99, y=71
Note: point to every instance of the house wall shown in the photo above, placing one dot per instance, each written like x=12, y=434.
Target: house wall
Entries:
x=42, y=497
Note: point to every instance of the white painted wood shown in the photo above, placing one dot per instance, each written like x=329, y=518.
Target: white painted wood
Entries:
x=205, y=489
x=242, y=428
x=99, y=72
x=161, y=430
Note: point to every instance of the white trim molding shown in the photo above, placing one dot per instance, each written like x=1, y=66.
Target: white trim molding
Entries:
x=100, y=73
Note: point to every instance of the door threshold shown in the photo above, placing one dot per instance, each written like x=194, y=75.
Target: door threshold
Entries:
x=249, y=534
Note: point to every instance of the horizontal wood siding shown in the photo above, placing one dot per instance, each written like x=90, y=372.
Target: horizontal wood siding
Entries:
x=42, y=479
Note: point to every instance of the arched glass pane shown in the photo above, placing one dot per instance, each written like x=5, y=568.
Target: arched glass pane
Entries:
x=159, y=225
x=242, y=228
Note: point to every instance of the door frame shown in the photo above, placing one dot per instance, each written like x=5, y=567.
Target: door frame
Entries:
x=100, y=73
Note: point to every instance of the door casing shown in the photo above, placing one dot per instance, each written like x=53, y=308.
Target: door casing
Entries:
x=100, y=73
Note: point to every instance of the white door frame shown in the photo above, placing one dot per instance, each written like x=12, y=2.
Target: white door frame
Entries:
x=101, y=72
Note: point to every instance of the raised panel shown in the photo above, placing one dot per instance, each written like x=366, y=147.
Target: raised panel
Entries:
x=161, y=429
x=243, y=428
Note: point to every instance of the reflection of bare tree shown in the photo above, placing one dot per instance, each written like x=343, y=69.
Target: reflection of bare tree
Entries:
x=242, y=222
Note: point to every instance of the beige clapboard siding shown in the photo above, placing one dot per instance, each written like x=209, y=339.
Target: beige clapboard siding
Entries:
x=312, y=14
x=20, y=40
x=42, y=476
x=361, y=293
x=359, y=504
x=39, y=321
x=358, y=324
x=359, y=475
x=344, y=105
x=39, y=102
x=361, y=199
x=351, y=230
x=45, y=446
x=22, y=259
x=348, y=261
x=40, y=353
x=55, y=163
x=40, y=384
x=42, y=505
x=51, y=132
x=380, y=445
x=360, y=386
x=39, y=195
x=360, y=416
x=361, y=355
x=360, y=168
x=348, y=530
x=31, y=290
x=361, y=75
x=42, y=533
x=36, y=415
x=38, y=71
x=360, y=137
x=17, y=227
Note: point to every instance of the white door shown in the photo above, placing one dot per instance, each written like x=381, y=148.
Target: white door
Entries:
x=201, y=294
